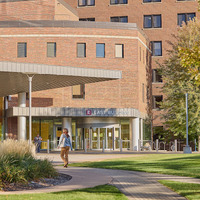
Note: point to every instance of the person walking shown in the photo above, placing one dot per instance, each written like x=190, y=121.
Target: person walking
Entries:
x=65, y=145
x=38, y=141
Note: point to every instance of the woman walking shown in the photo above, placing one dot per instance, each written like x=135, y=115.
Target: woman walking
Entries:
x=65, y=144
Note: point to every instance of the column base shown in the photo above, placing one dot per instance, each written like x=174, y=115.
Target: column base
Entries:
x=187, y=149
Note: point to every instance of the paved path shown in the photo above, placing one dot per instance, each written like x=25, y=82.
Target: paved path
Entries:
x=135, y=185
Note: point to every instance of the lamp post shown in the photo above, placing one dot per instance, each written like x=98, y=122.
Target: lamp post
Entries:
x=186, y=149
x=30, y=77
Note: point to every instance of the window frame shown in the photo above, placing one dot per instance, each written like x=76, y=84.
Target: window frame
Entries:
x=156, y=106
x=186, y=18
x=25, y=50
x=77, y=54
x=82, y=95
x=152, y=21
x=118, y=2
x=155, y=75
x=122, y=50
x=104, y=50
x=86, y=4
x=153, y=49
x=152, y=1
x=119, y=17
x=55, y=50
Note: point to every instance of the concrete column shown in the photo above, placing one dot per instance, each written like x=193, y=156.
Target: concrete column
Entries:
x=135, y=133
x=67, y=123
x=21, y=121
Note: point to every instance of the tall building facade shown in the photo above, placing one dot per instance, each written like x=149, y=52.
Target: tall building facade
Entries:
x=159, y=19
x=105, y=66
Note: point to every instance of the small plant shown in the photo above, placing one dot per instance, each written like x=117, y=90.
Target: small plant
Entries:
x=18, y=164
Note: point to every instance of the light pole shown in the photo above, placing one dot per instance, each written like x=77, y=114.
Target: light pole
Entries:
x=186, y=149
x=30, y=77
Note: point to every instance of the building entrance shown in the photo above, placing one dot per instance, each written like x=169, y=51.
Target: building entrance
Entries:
x=99, y=138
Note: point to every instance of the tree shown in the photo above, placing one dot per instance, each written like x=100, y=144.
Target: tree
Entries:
x=180, y=74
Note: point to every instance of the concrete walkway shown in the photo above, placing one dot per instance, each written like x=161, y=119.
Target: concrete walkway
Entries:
x=135, y=185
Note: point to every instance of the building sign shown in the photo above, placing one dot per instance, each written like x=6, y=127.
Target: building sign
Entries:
x=88, y=112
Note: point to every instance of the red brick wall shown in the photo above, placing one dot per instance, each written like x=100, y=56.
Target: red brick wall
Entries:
x=124, y=93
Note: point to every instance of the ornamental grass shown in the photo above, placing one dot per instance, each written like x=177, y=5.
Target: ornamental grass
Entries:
x=18, y=164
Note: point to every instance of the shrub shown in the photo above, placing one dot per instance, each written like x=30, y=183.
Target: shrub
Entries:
x=19, y=165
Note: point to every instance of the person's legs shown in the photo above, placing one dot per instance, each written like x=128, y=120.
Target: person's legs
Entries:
x=66, y=155
x=63, y=155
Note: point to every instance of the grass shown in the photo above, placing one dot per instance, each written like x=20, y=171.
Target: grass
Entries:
x=105, y=192
x=173, y=164
x=189, y=190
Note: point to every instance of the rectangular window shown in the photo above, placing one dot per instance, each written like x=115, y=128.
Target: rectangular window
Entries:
x=148, y=1
x=21, y=49
x=156, y=48
x=119, y=50
x=185, y=17
x=81, y=50
x=86, y=2
x=156, y=101
x=152, y=21
x=51, y=49
x=100, y=50
x=123, y=19
x=87, y=19
x=156, y=77
x=78, y=91
x=113, y=2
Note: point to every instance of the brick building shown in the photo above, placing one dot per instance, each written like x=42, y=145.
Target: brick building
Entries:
x=91, y=77
x=159, y=19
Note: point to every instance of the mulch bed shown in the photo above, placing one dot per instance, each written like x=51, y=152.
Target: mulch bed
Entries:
x=46, y=182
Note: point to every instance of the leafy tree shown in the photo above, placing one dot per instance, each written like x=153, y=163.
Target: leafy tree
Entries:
x=180, y=74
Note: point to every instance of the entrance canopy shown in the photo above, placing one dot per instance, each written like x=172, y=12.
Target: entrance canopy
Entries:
x=13, y=76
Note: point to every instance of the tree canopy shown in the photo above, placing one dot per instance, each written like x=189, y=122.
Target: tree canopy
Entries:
x=180, y=74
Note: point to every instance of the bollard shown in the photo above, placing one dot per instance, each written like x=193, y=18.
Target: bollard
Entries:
x=103, y=148
x=175, y=145
x=85, y=145
x=156, y=145
x=47, y=146
x=120, y=145
x=139, y=145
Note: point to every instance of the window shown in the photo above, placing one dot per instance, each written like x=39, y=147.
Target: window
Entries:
x=87, y=19
x=113, y=2
x=156, y=77
x=119, y=50
x=156, y=48
x=22, y=50
x=81, y=50
x=152, y=21
x=185, y=17
x=51, y=49
x=86, y=2
x=148, y=1
x=78, y=91
x=123, y=19
x=100, y=50
x=156, y=101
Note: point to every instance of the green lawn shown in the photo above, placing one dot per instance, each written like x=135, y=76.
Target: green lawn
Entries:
x=175, y=164
x=189, y=190
x=105, y=192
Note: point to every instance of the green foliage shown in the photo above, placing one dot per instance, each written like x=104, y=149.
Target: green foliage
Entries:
x=179, y=77
x=18, y=164
x=105, y=192
x=189, y=190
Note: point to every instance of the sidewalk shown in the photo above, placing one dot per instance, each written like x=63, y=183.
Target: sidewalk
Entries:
x=135, y=185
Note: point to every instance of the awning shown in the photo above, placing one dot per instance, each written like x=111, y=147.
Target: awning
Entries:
x=13, y=76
